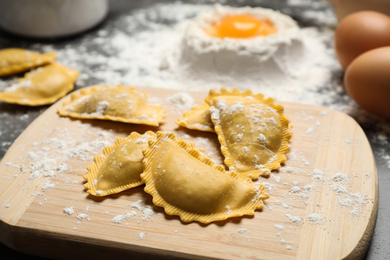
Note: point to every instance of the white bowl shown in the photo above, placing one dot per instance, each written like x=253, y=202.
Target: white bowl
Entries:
x=51, y=18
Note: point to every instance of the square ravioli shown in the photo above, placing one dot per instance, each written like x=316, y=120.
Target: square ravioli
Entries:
x=253, y=132
x=42, y=86
x=113, y=102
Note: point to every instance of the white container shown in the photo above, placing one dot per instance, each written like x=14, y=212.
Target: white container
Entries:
x=51, y=18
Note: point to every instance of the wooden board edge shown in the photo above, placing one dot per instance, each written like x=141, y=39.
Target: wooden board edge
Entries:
x=47, y=244
x=362, y=247
x=360, y=251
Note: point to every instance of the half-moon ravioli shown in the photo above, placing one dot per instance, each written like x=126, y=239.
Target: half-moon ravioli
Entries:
x=41, y=86
x=120, y=166
x=253, y=132
x=186, y=183
x=15, y=60
x=113, y=102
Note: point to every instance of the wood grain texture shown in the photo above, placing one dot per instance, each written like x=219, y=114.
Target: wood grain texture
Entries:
x=312, y=213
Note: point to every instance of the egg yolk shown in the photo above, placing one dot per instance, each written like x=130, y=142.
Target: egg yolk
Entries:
x=241, y=26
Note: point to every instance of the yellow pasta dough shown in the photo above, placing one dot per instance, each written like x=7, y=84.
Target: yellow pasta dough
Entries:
x=113, y=102
x=253, y=131
x=120, y=166
x=14, y=60
x=42, y=86
x=187, y=183
x=197, y=119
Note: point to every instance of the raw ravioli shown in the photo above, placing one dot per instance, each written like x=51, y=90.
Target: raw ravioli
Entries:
x=253, y=131
x=188, y=184
x=42, y=86
x=120, y=166
x=197, y=119
x=113, y=102
x=14, y=60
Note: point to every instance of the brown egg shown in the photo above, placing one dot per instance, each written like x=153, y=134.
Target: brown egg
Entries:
x=360, y=32
x=367, y=80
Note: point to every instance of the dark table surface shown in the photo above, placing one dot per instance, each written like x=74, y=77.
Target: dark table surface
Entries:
x=14, y=119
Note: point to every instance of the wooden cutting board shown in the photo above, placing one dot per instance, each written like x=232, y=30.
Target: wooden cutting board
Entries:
x=323, y=201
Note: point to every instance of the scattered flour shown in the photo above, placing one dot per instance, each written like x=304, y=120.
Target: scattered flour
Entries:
x=295, y=189
x=242, y=230
x=137, y=205
x=338, y=177
x=278, y=226
x=294, y=219
x=48, y=185
x=147, y=213
x=120, y=218
x=50, y=157
x=141, y=235
x=182, y=101
x=68, y=211
x=82, y=216
x=289, y=169
x=316, y=218
x=317, y=175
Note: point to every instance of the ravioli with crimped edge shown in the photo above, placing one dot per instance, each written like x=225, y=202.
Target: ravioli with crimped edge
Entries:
x=120, y=166
x=198, y=118
x=41, y=86
x=253, y=131
x=186, y=183
x=113, y=102
x=16, y=60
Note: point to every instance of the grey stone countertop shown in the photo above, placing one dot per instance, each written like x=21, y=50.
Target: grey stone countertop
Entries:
x=14, y=119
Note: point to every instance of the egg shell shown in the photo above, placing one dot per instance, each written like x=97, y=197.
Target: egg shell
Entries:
x=360, y=32
x=367, y=81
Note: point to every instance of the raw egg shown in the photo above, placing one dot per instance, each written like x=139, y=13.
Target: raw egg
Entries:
x=241, y=26
x=360, y=32
x=239, y=43
x=367, y=80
